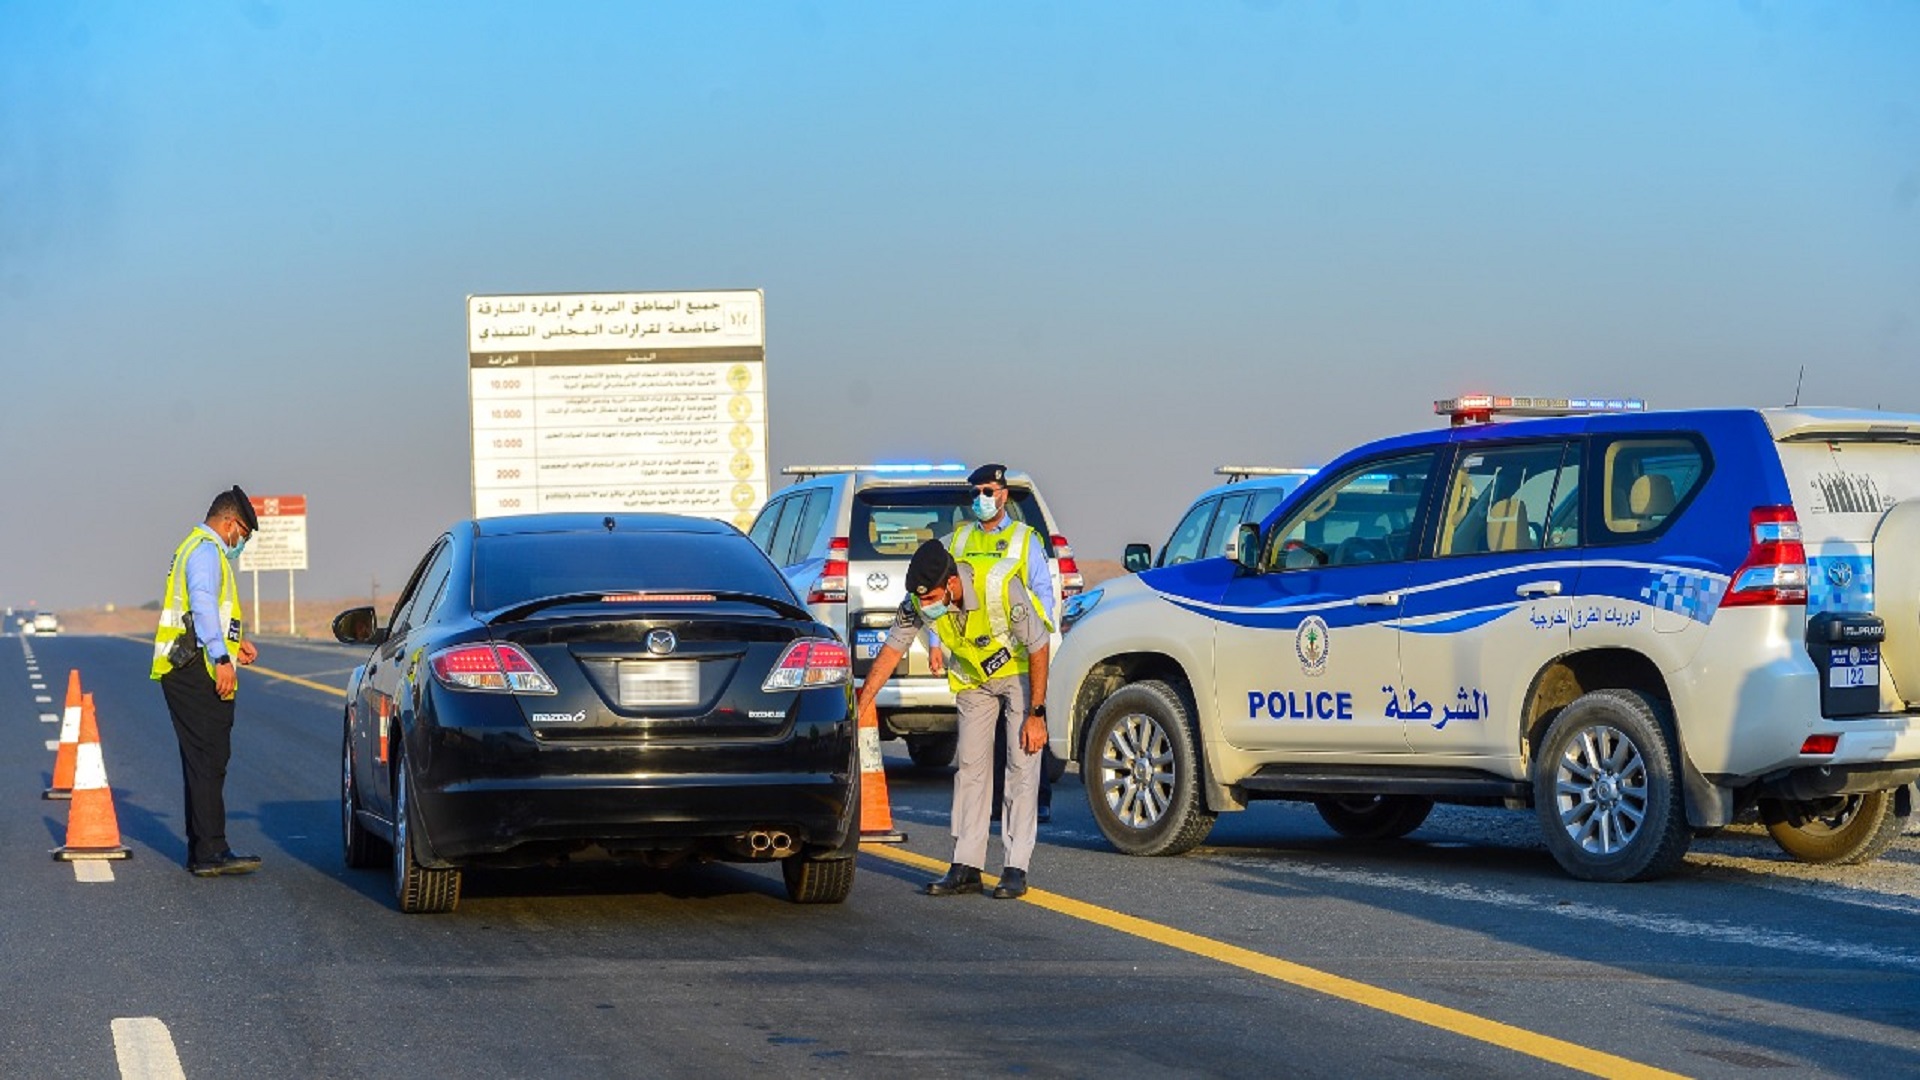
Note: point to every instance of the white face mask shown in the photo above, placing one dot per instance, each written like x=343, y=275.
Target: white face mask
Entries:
x=985, y=507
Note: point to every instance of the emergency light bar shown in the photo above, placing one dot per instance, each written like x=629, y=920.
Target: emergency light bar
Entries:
x=820, y=470
x=1237, y=473
x=1480, y=408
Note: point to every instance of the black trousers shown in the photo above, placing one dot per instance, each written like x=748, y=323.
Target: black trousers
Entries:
x=204, y=725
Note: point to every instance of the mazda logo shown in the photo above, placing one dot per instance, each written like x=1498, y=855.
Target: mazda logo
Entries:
x=661, y=642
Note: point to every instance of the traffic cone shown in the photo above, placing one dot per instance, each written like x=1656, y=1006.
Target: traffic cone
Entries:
x=63, y=761
x=876, y=814
x=93, y=829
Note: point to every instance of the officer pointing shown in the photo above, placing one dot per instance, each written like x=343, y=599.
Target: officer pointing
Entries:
x=993, y=633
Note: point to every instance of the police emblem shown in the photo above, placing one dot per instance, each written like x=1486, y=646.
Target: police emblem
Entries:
x=1311, y=645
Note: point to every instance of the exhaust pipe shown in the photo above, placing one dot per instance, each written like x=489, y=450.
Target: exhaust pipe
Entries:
x=770, y=843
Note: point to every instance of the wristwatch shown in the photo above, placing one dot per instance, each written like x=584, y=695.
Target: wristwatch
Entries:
x=223, y=660
x=1039, y=711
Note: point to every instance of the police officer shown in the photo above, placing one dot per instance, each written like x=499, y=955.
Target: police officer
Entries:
x=993, y=634
x=195, y=651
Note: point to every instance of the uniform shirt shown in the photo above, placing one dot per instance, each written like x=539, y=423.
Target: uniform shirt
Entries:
x=203, y=595
x=908, y=623
x=1039, y=571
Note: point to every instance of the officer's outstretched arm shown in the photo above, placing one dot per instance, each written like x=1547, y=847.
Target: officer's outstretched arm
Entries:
x=877, y=677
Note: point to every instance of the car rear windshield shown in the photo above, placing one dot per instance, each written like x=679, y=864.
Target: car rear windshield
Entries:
x=889, y=523
x=510, y=570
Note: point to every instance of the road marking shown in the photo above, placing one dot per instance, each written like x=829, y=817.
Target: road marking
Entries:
x=145, y=1049
x=53, y=744
x=297, y=680
x=92, y=870
x=39, y=686
x=1493, y=1032
x=42, y=699
x=49, y=718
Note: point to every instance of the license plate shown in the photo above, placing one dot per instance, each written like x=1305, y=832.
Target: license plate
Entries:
x=660, y=682
x=866, y=643
x=1853, y=665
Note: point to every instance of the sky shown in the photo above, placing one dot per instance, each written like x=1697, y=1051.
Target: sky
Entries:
x=1113, y=244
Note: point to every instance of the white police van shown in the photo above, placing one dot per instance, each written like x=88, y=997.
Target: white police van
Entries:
x=1637, y=624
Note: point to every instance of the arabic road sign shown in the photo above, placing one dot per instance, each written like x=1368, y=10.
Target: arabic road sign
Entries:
x=281, y=541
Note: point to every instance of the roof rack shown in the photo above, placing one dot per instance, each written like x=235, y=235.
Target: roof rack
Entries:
x=904, y=468
x=1237, y=473
x=1480, y=408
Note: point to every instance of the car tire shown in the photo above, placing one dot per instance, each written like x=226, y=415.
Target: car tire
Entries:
x=1142, y=772
x=417, y=889
x=1605, y=785
x=817, y=881
x=362, y=849
x=1374, y=817
x=1843, y=829
x=932, y=751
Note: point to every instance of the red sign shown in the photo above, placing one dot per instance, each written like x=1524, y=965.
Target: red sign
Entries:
x=279, y=505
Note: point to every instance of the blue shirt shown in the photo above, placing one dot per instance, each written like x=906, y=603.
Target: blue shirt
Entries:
x=203, y=595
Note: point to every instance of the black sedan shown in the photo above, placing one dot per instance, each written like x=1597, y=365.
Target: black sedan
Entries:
x=641, y=687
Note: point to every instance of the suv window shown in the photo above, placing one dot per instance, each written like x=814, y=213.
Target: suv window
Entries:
x=1644, y=482
x=781, y=545
x=762, y=532
x=1365, y=515
x=1233, y=510
x=1189, y=534
x=812, y=516
x=889, y=523
x=1511, y=498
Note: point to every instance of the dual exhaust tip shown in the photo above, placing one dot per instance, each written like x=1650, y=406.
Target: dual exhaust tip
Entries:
x=770, y=843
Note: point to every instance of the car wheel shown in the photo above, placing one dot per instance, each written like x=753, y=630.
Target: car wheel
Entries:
x=932, y=751
x=362, y=848
x=1604, y=785
x=1374, y=817
x=1144, y=762
x=417, y=889
x=817, y=881
x=1842, y=829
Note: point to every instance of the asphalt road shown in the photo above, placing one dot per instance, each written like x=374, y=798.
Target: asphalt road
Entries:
x=1276, y=949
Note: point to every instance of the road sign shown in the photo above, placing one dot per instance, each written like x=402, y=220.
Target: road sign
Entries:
x=281, y=541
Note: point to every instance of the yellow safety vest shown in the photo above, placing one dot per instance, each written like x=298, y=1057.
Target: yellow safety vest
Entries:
x=173, y=615
x=983, y=646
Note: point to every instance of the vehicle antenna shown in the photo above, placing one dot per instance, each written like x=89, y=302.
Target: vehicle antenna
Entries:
x=1796, y=386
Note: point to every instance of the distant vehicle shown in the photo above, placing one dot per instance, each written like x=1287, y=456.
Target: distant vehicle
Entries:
x=1207, y=529
x=843, y=534
x=641, y=686
x=1638, y=624
x=45, y=622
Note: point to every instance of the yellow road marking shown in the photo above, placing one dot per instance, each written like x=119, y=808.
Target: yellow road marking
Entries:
x=272, y=674
x=1544, y=1047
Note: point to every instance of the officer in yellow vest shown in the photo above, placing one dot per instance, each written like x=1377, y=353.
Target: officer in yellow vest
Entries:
x=195, y=651
x=993, y=634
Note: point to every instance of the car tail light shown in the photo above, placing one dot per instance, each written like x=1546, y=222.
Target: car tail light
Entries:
x=1071, y=583
x=1776, y=568
x=498, y=668
x=808, y=663
x=831, y=586
x=1820, y=745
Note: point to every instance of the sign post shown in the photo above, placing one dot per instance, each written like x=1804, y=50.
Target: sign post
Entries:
x=279, y=544
x=619, y=402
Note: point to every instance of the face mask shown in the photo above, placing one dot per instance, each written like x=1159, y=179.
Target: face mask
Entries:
x=984, y=507
x=235, y=551
x=932, y=611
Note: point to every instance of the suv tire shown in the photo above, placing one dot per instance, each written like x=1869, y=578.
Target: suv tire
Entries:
x=1373, y=817
x=1843, y=829
x=1142, y=772
x=1606, y=788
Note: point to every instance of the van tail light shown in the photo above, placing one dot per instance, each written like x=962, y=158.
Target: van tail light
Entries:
x=1071, y=583
x=1776, y=568
x=808, y=663
x=1820, y=745
x=831, y=586
x=505, y=669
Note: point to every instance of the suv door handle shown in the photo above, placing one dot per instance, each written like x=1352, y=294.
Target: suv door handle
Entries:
x=1384, y=599
x=1538, y=588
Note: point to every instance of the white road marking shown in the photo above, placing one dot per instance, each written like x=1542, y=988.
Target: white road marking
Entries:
x=145, y=1049
x=49, y=718
x=53, y=744
x=92, y=870
x=39, y=686
x=42, y=699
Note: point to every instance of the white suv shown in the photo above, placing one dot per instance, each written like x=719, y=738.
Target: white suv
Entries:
x=843, y=535
x=1207, y=529
x=1639, y=626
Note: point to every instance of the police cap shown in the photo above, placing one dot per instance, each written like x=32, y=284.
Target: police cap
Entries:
x=245, y=511
x=988, y=474
x=932, y=565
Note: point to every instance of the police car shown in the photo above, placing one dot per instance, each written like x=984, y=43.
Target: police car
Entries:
x=1207, y=528
x=1636, y=624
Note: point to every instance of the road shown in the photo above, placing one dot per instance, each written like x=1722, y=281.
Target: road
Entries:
x=1275, y=949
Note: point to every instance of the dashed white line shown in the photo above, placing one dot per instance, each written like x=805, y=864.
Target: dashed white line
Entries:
x=42, y=699
x=144, y=1047
x=49, y=718
x=53, y=744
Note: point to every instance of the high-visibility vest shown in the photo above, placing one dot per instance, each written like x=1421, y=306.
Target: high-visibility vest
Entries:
x=983, y=647
x=173, y=613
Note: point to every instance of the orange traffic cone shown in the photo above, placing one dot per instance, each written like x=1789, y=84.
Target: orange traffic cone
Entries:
x=876, y=814
x=63, y=761
x=93, y=829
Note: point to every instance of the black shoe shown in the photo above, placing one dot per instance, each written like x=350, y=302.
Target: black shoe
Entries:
x=1013, y=884
x=959, y=879
x=225, y=863
x=1045, y=815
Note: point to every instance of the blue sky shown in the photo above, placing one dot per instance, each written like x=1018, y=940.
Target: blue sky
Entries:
x=1113, y=244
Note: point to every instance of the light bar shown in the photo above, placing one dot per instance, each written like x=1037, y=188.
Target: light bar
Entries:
x=902, y=467
x=1536, y=406
x=1237, y=473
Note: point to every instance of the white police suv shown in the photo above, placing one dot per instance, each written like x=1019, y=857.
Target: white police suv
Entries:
x=1209, y=526
x=1637, y=624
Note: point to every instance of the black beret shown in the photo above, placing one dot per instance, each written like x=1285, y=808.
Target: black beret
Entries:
x=247, y=517
x=988, y=474
x=932, y=565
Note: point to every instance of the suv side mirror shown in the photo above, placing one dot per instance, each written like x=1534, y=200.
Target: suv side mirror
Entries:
x=1137, y=557
x=1246, y=546
x=358, y=626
